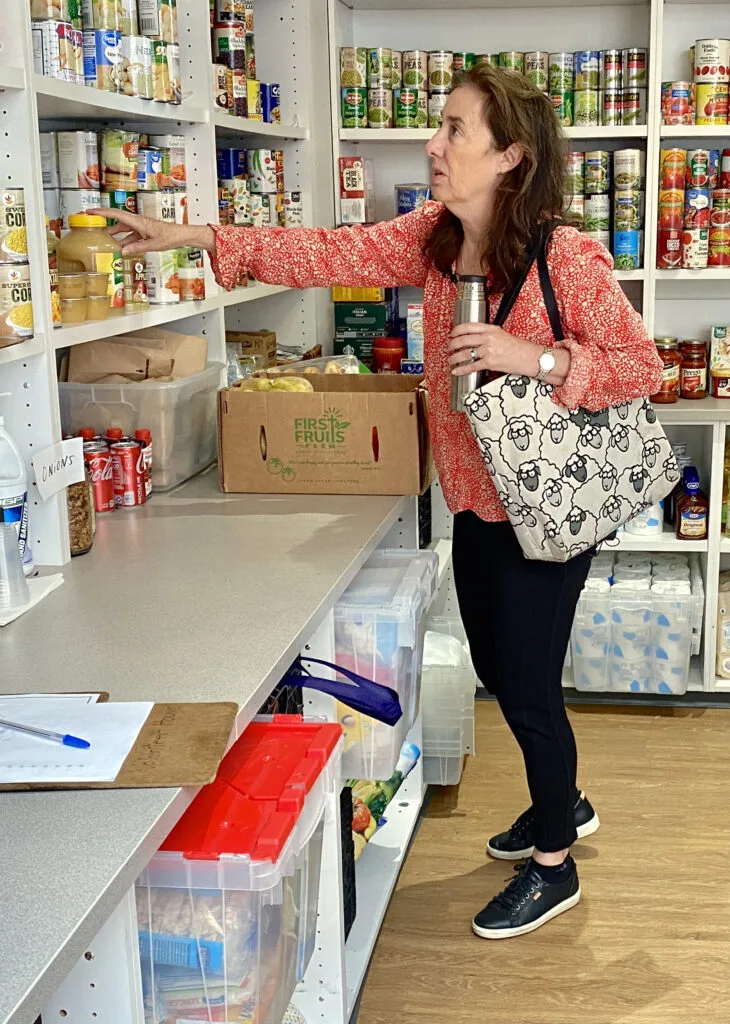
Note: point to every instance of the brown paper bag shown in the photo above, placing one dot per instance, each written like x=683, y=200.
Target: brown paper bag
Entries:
x=151, y=354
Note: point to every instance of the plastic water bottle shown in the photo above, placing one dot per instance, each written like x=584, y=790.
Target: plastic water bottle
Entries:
x=14, y=494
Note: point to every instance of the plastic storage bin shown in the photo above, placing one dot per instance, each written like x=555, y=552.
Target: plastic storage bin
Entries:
x=447, y=702
x=180, y=415
x=379, y=627
x=227, y=909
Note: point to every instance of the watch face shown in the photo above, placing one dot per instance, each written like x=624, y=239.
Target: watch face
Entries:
x=547, y=361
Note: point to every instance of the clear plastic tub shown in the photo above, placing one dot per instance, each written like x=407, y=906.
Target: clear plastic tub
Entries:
x=447, y=702
x=379, y=627
x=442, y=771
x=180, y=415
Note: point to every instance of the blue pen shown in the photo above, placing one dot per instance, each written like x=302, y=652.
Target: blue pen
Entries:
x=46, y=734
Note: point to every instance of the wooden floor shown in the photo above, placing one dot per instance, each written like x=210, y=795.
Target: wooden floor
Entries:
x=650, y=941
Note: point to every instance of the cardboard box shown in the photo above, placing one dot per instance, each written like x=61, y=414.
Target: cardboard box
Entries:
x=357, y=190
x=342, y=294
x=256, y=343
x=371, y=317
x=355, y=434
x=415, y=331
x=720, y=347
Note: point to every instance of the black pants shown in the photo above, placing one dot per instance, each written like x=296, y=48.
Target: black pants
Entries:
x=518, y=615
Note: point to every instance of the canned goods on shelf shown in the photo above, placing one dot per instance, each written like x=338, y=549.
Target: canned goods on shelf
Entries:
x=563, y=106
x=78, y=200
x=229, y=45
x=116, y=15
x=103, y=59
x=405, y=108
x=537, y=69
x=711, y=102
x=561, y=72
x=191, y=273
x=261, y=166
x=380, y=108
x=634, y=61
x=293, y=210
x=250, y=57
x=254, y=109
x=669, y=249
x=696, y=207
x=610, y=103
x=695, y=248
x=58, y=50
x=722, y=169
x=161, y=83
x=354, y=67
x=78, y=159
x=671, y=208
x=677, y=103
x=162, y=278
x=629, y=166
x=633, y=106
x=604, y=237
x=719, y=247
x=354, y=107
x=396, y=77
x=270, y=102
x=158, y=205
x=248, y=6
x=597, y=212
x=574, y=211
x=16, y=304
x=120, y=199
x=440, y=70
x=627, y=249
x=229, y=10
x=585, y=107
x=52, y=10
x=436, y=104
x=597, y=178
x=698, y=168
x=259, y=210
x=237, y=91
x=487, y=58
x=410, y=197
x=52, y=210
x=173, y=151
x=415, y=69
x=463, y=61
x=586, y=70
x=610, y=70
x=50, y=171
x=380, y=67
x=231, y=162
x=158, y=19
x=512, y=60
x=627, y=209
x=136, y=298
x=712, y=60
x=575, y=170
x=672, y=168
x=135, y=68
x=222, y=90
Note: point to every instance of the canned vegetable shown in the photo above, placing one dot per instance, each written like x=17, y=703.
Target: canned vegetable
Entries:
x=354, y=67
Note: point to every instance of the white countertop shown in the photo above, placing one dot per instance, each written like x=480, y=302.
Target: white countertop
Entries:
x=197, y=596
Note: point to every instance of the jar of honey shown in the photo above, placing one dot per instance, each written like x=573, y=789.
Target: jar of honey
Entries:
x=670, y=357
x=693, y=371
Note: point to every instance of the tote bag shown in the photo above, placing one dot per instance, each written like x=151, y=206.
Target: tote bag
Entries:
x=567, y=478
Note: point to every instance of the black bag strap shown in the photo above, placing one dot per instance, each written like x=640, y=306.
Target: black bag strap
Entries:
x=510, y=296
x=538, y=252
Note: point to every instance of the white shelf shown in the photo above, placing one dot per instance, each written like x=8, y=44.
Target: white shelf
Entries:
x=667, y=542
x=476, y=5
x=630, y=275
x=78, y=334
x=14, y=353
x=725, y=546
x=424, y=134
x=705, y=274
x=695, y=131
x=251, y=292
x=60, y=100
x=227, y=123
x=12, y=78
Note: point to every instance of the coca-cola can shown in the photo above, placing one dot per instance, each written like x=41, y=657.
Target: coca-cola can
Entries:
x=128, y=468
x=99, y=460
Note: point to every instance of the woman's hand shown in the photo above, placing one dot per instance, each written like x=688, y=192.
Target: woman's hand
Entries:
x=144, y=234
x=497, y=350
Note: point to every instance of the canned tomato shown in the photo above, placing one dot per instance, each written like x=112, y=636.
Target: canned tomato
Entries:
x=163, y=283
x=609, y=70
x=354, y=67
x=677, y=103
x=254, y=110
x=627, y=249
x=720, y=208
x=293, y=210
x=191, y=272
x=574, y=211
x=575, y=172
x=261, y=168
x=54, y=51
x=440, y=70
x=628, y=168
x=597, y=213
x=512, y=60
x=669, y=249
x=16, y=305
x=136, y=299
x=354, y=107
x=633, y=106
x=271, y=102
x=711, y=103
x=563, y=106
x=634, y=61
x=405, y=102
x=627, y=205
x=380, y=108
x=697, y=208
x=698, y=168
x=596, y=172
x=695, y=248
x=537, y=69
x=120, y=199
x=410, y=197
x=415, y=69
x=135, y=69
x=610, y=102
x=229, y=45
x=719, y=247
x=380, y=67
x=672, y=168
x=158, y=205
x=671, y=208
x=585, y=70
x=78, y=200
x=585, y=107
x=128, y=473
x=561, y=72
x=712, y=60
x=149, y=170
x=436, y=104
x=78, y=159
x=396, y=76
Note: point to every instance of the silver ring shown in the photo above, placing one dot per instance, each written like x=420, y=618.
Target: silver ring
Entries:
x=474, y=355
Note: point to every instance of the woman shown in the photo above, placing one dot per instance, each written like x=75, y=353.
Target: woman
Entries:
x=497, y=179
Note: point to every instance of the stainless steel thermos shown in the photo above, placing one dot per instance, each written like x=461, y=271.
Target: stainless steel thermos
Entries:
x=470, y=308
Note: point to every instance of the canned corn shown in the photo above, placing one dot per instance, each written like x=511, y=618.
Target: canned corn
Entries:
x=16, y=306
x=13, y=235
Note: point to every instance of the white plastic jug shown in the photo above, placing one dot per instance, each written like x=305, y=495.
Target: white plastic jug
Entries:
x=14, y=494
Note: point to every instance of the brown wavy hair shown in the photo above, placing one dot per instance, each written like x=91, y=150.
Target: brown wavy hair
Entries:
x=529, y=195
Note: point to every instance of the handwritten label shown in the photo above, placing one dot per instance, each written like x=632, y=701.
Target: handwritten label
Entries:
x=58, y=466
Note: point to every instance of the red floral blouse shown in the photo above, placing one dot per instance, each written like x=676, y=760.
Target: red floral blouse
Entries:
x=612, y=357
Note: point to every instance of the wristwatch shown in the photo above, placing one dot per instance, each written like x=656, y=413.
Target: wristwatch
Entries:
x=547, y=364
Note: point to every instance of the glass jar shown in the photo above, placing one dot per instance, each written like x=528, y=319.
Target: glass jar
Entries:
x=387, y=354
x=89, y=247
x=693, y=371
x=81, y=518
x=670, y=357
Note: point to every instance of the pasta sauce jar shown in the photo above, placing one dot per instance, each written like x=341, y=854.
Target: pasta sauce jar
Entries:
x=693, y=371
x=670, y=357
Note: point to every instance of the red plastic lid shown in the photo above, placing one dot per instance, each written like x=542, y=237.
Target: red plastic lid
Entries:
x=279, y=760
x=220, y=820
x=87, y=433
x=142, y=435
x=389, y=343
x=115, y=433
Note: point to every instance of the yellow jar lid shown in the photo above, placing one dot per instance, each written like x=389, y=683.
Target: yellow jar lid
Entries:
x=84, y=220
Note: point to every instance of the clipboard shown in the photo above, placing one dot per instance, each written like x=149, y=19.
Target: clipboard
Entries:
x=178, y=745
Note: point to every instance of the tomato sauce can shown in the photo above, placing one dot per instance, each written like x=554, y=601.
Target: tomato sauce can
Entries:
x=719, y=247
x=669, y=249
x=677, y=103
x=697, y=208
x=712, y=60
x=672, y=168
x=695, y=248
x=671, y=208
x=128, y=472
x=698, y=168
x=720, y=208
x=711, y=99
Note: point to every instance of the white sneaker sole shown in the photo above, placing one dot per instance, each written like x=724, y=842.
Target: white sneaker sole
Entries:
x=584, y=831
x=513, y=933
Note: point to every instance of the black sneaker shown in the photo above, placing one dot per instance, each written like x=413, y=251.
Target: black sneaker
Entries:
x=527, y=903
x=518, y=843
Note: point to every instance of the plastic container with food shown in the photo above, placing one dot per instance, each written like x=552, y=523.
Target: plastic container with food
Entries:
x=97, y=284
x=97, y=307
x=307, y=367
x=13, y=236
x=73, y=286
x=89, y=248
x=73, y=311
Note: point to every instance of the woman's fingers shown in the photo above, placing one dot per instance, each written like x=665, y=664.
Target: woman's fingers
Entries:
x=131, y=220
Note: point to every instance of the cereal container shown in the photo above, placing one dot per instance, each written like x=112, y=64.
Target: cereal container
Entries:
x=271, y=102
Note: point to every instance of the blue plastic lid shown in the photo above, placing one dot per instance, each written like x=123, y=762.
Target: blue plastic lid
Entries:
x=691, y=478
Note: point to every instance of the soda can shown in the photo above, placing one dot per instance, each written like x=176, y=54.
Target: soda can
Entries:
x=586, y=70
x=440, y=70
x=669, y=249
x=512, y=60
x=597, y=172
x=672, y=168
x=410, y=197
x=353, y=67
x=697, y=208
x=98, y=458
x=293, y=210
x=563, y=106
x=597, y=216
x=405, y=102
x=677, y=103
x=436, y=104
x=396, y=70
x=270, y=102
x=627, y=205
x=671, y=208
x=574, y=211
x=380, y=68
x=610, y=102
x=354, y=107
x=634, y=60
x=144, y=440
x=629, y=167
x=537, y=69
x=695, y=248
x=380, y=108
x=627, y=249
x=712, y=60
x=120, y=199
x=575, y=173
x=633, y=106
x=415, y=69
x=711, y=102
x=561, y=72
x=585, y=107
x=128, y=472
x=610, y=70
